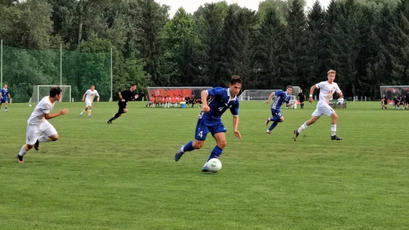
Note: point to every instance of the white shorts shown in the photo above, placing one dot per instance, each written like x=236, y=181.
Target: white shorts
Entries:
x=88, y=103
x=323, y=108
x=35, y=131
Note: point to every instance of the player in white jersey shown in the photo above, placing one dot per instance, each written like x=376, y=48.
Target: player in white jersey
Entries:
x=327, y=89
x=89, y=96
x=38, y=128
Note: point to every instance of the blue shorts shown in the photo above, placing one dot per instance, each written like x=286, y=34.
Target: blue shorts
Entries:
x=205, y=125
x=4, y=100
x=276, y=114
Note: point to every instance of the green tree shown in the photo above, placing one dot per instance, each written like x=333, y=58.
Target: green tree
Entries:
x=180, y=41
x=210, y=19
x=267, y=52
x=294, y=58
x=316, y=45
x=400, y=45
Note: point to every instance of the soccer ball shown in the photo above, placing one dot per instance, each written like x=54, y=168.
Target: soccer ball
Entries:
x=214, y=165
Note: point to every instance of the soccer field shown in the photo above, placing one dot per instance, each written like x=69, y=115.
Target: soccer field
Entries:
x=123, y=176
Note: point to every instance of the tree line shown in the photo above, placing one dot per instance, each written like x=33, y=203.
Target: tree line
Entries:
x=366, y=41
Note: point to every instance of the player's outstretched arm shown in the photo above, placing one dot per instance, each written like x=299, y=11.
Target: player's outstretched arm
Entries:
x=310, y=99
x=236, y=127
x=83, y=96
x=270, y=97
x=203, y=95
x=120, y=96
x=59, y=113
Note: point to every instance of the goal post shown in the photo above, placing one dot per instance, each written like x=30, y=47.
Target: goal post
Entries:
x=390, y=91
x=40, y=91
x=262, y=94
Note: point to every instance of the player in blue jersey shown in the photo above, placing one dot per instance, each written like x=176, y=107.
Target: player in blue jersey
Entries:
x=4, y=95
x=279, y=97
x=215, y=102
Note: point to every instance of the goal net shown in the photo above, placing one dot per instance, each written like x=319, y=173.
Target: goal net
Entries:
x=262, y=94
x=256, y=94
x=390, y=91
x=40, y=91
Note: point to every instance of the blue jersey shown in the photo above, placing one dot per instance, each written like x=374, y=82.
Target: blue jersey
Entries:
x=4, y=92
x=219, y=101
x=280, y=97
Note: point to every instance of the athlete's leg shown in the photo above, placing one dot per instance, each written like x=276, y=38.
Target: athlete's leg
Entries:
x=334, y=119
x=89, y=108
x=32, y=134
x=275, y=123
x=122, y=109
x=201, y=132
x=305, y=125
x=84, y=110
x=220, y=145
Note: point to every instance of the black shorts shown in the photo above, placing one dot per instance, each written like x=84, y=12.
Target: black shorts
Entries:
x=122, y=106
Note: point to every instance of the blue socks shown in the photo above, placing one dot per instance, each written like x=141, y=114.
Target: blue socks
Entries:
x=216, y=152
x=188, y=147
x=275, y=123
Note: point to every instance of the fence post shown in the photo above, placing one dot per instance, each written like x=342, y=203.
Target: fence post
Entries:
x=1, y=63
x=110, y=99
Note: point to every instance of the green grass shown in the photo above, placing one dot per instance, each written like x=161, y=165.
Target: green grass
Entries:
x=123, y=176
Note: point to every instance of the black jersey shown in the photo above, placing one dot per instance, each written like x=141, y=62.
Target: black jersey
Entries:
x=127, y=95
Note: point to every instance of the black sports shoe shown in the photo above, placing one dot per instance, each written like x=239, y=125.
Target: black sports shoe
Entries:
x=296, y=133
x=37, y=145
x=178, y=155
x=109, y=122
x=336, y=138
x=20, y=159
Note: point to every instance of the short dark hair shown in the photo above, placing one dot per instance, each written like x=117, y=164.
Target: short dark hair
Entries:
x=289, y=86
x=133, y=84
x=235, y=79
x=55, y=91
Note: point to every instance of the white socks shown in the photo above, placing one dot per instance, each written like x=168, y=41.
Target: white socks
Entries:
x=302, y=127
x=333, y=130
x=23, y=151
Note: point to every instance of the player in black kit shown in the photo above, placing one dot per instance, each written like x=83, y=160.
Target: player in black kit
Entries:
x=124, y=97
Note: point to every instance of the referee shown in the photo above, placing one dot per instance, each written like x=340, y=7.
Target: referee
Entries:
x=124, y=97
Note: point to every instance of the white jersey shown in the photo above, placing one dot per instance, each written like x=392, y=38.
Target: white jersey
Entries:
x=91, y=95
x=327, y=90
x=43, y=107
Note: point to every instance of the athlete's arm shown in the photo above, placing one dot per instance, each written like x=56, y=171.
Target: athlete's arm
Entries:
x=53, y=115
x=83, y=96
x=269, y=97
x=236, y=127
x=203, y=95
x=312, y=92
x=120, y=96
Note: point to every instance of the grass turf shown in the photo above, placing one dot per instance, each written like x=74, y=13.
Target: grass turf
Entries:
x=123, y=176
